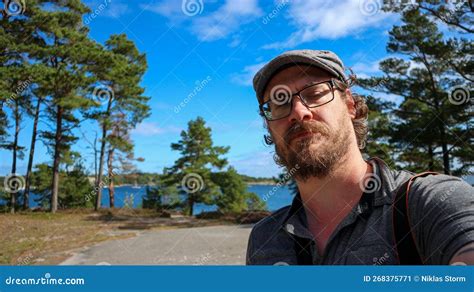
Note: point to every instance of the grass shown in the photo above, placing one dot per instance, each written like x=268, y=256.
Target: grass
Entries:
x=41, y=238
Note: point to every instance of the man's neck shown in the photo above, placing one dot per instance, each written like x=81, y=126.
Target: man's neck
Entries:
x=329, y=199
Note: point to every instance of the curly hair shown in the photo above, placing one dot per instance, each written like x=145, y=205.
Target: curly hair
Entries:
x=359, y=122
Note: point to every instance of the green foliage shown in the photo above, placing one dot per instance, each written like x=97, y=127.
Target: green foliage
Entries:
x=48, y=45
x=192, y=171
x=428, y=131
x=250, y=179
x=286, y=178
x=380, y=130
x=118, y=77
x=161, y=198
x=254, y=203
x=73, y=190
x=232, y=196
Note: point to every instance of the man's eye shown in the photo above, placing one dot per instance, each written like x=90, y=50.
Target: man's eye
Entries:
x=276, y=107
x=316, y=94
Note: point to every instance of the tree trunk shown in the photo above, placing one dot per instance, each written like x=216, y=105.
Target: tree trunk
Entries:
x=98, y=182
x=111, y=178
x=57, y=155
x=16, y=113
x=431, y=155
x=190, y=204
x=96, y=172
x=444, y=146
x=26, y=194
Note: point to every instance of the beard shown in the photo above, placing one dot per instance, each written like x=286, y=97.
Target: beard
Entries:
x=314, y=155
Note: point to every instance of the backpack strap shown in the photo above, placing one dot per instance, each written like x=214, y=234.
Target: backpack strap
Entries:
x=405, y=245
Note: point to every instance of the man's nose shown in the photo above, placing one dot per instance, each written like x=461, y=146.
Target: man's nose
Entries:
x=299, y=111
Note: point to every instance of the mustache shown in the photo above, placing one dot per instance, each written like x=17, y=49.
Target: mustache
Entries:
x=303, y=127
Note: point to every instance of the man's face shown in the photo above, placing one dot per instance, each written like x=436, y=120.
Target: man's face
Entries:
x=313, y=140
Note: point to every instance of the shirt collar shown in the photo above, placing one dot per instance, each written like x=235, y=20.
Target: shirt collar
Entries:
x=294, y=221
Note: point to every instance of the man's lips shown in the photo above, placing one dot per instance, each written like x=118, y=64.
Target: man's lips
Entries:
x=300, y=135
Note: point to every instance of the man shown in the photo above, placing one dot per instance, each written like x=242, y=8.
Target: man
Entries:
x=343, y=211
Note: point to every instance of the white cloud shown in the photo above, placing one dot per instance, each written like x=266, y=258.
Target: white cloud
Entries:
x=370, y=69
x=258, y=164
x=246, y=76
x=210, y=26
x=360, y=67
x=116, y=10
x=415, y=65
x=327, y=19
x=169, y=9
x=108, y=8
x=226, y=20
x=397, y=99
x=152, y=129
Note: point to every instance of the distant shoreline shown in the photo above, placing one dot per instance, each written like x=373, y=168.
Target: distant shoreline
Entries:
x=263, y=183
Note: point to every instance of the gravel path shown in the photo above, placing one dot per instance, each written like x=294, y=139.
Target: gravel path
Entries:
x=212, y=245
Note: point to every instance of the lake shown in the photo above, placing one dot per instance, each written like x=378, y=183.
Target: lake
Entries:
x=275, y=197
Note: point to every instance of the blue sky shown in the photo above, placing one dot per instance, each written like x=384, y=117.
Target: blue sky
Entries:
x=225, y=43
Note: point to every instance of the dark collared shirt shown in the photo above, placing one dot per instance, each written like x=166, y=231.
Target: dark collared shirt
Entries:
x=441, y=209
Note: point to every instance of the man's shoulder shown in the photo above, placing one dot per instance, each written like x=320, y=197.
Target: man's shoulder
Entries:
x=270, y=223
x=268, y=226
x=442, y=185
x=265, y=240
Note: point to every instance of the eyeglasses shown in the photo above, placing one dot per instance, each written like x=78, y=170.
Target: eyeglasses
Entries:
x=280, y=103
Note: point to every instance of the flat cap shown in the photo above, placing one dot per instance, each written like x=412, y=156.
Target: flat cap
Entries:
x=323, y=59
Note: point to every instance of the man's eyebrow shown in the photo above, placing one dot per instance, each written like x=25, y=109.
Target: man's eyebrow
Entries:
x=297, y=89
x=308, y=84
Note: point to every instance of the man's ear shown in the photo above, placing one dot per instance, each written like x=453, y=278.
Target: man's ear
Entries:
x=350, y=103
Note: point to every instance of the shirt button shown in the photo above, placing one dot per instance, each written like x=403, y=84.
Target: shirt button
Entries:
x=290, y=228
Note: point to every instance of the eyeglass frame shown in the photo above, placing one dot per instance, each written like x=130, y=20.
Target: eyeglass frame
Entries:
x=332, y=84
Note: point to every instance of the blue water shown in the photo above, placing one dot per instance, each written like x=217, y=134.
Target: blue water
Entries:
x=275, y=197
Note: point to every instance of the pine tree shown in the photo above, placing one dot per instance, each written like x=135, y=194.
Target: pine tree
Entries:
x=66, y=54
x=124, y=105
x=192, y=171
x=233, y=195
x=444, y=126
x=15, y=73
